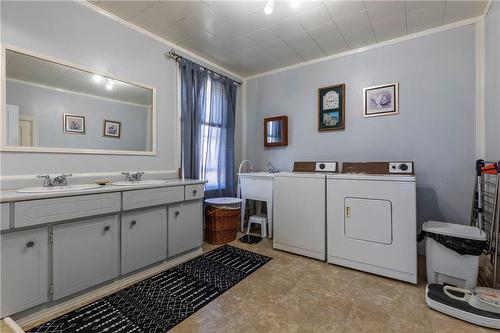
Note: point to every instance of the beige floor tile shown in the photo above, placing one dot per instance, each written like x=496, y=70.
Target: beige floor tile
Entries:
x=294, y=294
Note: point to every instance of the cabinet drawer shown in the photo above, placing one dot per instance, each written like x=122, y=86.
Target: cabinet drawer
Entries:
x=24, y=270
x=144, y=238
x=194, y=191
x=59, y=209
x=152, y=197
x=86, y=253
x=4, y=216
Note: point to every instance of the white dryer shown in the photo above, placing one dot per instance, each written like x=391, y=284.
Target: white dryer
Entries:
x=371, y=221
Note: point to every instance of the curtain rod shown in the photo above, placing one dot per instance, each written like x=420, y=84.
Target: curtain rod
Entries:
x=176, y=57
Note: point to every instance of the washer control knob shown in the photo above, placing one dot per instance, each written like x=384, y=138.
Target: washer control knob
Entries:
x=403, y=166
x=322, y=166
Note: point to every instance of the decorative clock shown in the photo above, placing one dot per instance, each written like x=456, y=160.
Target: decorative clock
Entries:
x=331, y=108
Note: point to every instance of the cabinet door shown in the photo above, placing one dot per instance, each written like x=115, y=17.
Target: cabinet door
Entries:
x=86, y=253
x=144, y=238
x=184, y=227
x=24, y=277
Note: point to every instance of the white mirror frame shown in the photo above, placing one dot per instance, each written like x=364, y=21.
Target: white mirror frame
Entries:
x=3, y=106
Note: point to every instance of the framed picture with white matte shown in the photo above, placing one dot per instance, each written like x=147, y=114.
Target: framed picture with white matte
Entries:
x=112, y=128
x=382, y=100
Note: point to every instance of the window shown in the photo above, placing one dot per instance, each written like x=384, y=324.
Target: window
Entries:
x=212, y=131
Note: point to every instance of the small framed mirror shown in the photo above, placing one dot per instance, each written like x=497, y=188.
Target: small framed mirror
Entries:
x=276, y=131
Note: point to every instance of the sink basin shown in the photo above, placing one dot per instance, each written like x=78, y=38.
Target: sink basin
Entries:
x=141, y=183
x=52, y=189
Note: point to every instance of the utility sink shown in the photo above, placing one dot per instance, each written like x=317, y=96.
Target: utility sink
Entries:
x=52, y=189
x=141, y=183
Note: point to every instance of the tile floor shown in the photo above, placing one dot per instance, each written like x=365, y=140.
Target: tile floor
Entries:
x=296, y=294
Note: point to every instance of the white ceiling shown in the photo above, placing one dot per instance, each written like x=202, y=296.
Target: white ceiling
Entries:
x=238, y=35
x=26, y=68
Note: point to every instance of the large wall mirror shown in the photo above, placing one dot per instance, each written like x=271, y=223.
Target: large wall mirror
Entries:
x=52, y=107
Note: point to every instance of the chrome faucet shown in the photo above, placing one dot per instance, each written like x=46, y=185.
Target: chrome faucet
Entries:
x=136, y=177
x=271, y=168
x=57, y=181
x=47, y=181
x=61, y=180
x=133, y=177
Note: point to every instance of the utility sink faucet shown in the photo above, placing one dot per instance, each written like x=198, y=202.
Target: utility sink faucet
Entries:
x=271, y=168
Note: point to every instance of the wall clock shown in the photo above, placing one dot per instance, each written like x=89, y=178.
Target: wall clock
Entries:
x=331, y=108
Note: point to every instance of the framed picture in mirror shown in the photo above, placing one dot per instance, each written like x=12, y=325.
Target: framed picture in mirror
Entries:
x=74, y=123
x=112, y=128
x=276, y=131
x=331, y=108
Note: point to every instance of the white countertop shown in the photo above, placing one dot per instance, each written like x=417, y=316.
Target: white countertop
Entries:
x=13, y=195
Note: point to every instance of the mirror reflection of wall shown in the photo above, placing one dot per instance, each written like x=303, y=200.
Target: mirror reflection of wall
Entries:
x=39, y=93
x=276, y=131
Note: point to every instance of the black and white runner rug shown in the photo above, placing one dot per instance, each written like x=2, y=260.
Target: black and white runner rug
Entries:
x=164, y=300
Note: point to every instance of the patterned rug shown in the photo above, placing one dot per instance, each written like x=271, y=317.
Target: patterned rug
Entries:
x=164, y=300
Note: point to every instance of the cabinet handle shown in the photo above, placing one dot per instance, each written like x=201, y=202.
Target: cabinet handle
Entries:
x=348, y=211
x=106, y=228
x=177, y=213
x=195, y=191
x=30, y=244
x=133, y=222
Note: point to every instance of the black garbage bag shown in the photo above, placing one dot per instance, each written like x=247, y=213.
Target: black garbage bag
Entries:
x=461, y=246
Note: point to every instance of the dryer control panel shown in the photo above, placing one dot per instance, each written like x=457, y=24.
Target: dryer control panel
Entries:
x=379, y=168
x=320, y=166
x=401, y=167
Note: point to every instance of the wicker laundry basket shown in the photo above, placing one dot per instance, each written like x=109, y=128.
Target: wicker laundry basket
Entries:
x=222, y=218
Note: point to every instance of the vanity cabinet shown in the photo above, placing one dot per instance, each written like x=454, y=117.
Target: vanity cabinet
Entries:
x=4, y=216
x=24, y=273
x=144, y=238
x=85, y=253
x=184, y=227
x=34, y=212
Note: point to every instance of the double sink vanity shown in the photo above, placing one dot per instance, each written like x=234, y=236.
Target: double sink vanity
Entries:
x=60, y=240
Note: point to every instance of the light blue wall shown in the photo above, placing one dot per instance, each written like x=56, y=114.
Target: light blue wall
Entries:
x=435, y=127
x=492, y=93
x=69, y=31
x=47, y=106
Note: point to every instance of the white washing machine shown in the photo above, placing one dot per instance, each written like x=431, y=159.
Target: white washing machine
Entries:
x=300, y=209
x=371, y=219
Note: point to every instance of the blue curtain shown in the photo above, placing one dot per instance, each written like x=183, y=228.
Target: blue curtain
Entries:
x=193, y=103
x=208, y=108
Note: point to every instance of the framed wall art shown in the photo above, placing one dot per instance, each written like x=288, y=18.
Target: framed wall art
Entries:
x=381, y=100
x=74, y=123
x=331, y=108
x=112, y=128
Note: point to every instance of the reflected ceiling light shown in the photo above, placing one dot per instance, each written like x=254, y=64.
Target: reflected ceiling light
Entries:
x=109, y=84
x=268, y=8
x=295, y=4
x=98, y=78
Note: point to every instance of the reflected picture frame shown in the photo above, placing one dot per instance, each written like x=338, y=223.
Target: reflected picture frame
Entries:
x=381, y=100
x=112, y=129
x=74, y=124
